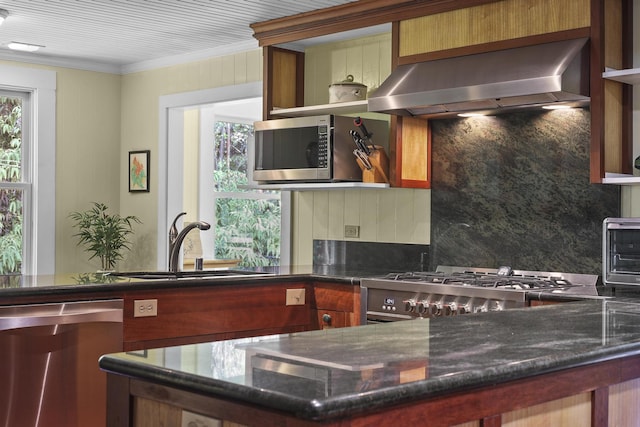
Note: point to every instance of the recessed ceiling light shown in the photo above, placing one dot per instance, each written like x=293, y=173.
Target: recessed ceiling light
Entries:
x=556, y=107
x=3, y=15
x=471, y=114
x=25, y=47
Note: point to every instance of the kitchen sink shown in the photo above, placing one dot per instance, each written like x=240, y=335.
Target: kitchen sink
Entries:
x=192, y=274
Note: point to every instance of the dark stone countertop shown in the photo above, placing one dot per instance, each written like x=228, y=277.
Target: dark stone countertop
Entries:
x=91, y=283
x=436, y=356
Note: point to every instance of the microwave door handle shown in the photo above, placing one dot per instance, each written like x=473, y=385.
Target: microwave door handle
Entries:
x=627, y=257
x=623, y=226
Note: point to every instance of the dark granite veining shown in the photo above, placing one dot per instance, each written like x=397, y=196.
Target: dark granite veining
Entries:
x=514, y=190
x=444, y=354
x=382, y=257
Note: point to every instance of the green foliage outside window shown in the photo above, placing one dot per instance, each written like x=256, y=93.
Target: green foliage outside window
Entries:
x=246, y=228
x=10, y=171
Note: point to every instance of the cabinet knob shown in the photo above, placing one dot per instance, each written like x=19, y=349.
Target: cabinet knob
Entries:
x=326, y=318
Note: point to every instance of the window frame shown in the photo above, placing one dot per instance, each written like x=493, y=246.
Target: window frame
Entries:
x=170, y=160
x=39, y=229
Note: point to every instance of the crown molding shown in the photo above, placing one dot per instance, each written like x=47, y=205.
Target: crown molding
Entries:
x=189, y=57
x=101, y=67
x=59, y=61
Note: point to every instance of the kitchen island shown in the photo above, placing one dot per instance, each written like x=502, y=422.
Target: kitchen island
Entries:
x=202, y=309
x=576, y=363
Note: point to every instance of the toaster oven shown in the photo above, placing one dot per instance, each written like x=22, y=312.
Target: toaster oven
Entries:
x=621, y=251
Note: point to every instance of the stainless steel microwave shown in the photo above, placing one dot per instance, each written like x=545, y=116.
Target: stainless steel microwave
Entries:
x=621, y=251
x=311, y=149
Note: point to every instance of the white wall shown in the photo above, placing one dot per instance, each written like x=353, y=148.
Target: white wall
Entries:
x=87, y=154
x=140, y=96
x=384, y=215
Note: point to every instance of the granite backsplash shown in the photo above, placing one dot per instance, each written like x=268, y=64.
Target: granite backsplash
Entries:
x=514, y=190
x=370, y=256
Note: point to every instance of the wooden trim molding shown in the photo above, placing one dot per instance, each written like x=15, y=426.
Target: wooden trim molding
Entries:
x=350, y=16
x=597, y=92
x=627, y=90
x=600, y=407
x=267, y=81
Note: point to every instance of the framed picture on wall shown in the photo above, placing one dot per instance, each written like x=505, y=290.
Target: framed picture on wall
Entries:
x=139, y=171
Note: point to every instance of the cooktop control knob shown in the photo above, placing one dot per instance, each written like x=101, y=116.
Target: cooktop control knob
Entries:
x=436, y=308
x=423, y=307
x=457, y=308
x=497, y=305
x=410, y=305
x=447, y=310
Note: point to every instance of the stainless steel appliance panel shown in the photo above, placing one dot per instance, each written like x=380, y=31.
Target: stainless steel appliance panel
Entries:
x=49, y=355
x=621, y=251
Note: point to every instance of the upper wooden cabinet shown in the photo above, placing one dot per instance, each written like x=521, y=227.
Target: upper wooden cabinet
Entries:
x=283, y=81
x=429, y=30
x=489, y=23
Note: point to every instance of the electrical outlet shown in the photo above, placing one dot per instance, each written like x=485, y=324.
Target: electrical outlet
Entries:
x=352, y=231
x=295, y=297
x=190, y=419
x=145, y=307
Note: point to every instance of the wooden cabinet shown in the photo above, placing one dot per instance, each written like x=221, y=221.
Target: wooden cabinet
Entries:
x=477, y=26
x=199, y=314
x=335, y=305
x=193, y=314
x=611, y=101
x=425, y=31
x=605, y=393
x=283, y=81
x=622, y=80
x=411, y=153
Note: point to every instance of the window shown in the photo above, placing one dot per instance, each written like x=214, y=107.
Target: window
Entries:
x=247, y=221
x=27, y=192
x=15, y=178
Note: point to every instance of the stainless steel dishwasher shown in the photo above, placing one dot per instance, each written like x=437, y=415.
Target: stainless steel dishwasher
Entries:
x=49, y=362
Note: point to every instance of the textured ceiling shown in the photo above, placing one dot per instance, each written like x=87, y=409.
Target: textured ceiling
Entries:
x=119, y=33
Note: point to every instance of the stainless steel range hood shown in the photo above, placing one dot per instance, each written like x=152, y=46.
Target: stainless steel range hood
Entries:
x=494, y=81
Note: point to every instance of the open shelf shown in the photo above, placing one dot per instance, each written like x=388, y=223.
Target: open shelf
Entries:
x=353, y=107
x=304, y=186
x=620, y=178
x=630, y=76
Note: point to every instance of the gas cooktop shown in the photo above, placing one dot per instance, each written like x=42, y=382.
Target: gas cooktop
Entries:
x=459, y=290
x=502, y=278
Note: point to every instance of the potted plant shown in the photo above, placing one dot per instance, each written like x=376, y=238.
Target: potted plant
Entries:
x=103, y=234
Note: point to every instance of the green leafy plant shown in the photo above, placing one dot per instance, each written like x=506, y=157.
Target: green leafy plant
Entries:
x=11, y=210
x=248, y=230
x=104, y=235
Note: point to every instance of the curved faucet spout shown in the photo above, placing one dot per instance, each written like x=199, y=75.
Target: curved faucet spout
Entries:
x=176, y=239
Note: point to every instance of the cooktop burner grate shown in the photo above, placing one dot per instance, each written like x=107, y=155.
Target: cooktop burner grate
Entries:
x=484, y=280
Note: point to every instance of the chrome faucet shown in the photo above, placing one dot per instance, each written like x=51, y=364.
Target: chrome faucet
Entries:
x=175, y=239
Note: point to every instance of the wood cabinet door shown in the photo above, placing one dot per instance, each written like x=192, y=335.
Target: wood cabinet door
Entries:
x=327, y=319
x=411, y=158
x=337, y=305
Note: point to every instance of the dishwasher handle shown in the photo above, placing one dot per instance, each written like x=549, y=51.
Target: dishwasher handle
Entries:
x=64, y=313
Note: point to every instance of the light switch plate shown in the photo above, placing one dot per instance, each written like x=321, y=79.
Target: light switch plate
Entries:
x=352, y=231
x=145, y=307
x=295, y=297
